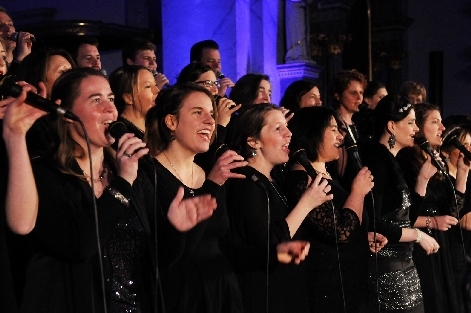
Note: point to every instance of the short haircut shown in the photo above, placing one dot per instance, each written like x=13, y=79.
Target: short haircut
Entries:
x=192, y=72
x=196, y=51
x=342, y=81
x=293, y=94
x=2, y=9
x=83, y=40
x=245, y=90
x=411, y=87
x=132, y=48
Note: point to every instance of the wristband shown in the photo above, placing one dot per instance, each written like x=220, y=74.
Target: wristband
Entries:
x=118, y=195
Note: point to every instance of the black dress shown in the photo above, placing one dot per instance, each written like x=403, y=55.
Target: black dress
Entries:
x=397, y=278
x=63, y=275
x=436, y=271
x=257, y=210
x=196, y=275
x=349, y=236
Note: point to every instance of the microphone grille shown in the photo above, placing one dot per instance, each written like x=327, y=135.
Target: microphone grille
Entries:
x=117, y=129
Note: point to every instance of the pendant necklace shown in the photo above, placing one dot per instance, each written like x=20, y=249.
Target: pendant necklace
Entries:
x=178, y=175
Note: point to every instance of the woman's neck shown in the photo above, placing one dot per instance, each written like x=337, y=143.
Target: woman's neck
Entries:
x=97, y=158
x=320, y=168
x=345, y=116
x=138, y=121
x=263, y=167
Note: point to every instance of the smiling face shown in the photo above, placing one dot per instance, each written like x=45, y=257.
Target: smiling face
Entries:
x=145, y=92
x=95, y=107
x=264, y=92
x=433, y=128
x=145, y=58
x=351, y=98
x=194, y=125
x=311, y=98
x=328, y=150
x=404, y=131
x=209, y=75
x=274, y=139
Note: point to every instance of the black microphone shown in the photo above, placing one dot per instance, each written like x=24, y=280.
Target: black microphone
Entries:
x=220, y=75
x=14, y=37
x=9, y=88
x=455, y=142
x=425, y=146
x=352, y=148
x=117, y=129
x=301, y=157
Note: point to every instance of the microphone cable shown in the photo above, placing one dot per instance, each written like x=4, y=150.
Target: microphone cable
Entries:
x=354, y=149
x=256, y=180
x=95, y=211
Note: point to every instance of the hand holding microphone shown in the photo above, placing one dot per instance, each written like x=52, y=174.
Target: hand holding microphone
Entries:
x=224, y=84
x=160, y=80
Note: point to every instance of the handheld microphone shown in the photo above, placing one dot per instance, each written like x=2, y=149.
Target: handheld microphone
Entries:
x=9, y=88
x=117, y=129
x=220, y=75
x=14, y=37
x=425, y=146
x=301, y=157
x=352, y=148
x=458, y=145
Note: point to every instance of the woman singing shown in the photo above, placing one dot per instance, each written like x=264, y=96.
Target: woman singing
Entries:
x=396, y=276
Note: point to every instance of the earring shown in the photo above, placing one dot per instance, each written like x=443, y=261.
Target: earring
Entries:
x=253, y=152
x=392, y=141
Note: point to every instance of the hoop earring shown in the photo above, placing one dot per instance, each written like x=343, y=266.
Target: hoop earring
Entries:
x=392, y=141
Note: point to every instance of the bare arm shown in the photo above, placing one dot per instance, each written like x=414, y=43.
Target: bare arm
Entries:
x=22, y=198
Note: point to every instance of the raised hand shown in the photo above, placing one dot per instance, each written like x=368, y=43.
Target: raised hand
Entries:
x=185, y=214
x=363, y=182
x=225, y=109
x=221, y=171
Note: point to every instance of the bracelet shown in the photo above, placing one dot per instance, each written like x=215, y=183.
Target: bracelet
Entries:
x=428, y=222
x=118, y=195
x=419, y=235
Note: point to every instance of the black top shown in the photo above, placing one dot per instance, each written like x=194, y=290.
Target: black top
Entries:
x=196, y=276
x=395, y=206
x=436, y=271
x=251, y=203
x=347, y=236
x=64, y=275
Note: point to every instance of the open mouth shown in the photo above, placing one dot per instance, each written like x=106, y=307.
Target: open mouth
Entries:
x=205, y=133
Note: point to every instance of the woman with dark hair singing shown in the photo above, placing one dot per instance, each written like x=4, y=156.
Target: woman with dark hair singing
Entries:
x=338, y=226
x=393, y=209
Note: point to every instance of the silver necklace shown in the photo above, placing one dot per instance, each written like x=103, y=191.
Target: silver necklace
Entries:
x=97, y=180
x=178, y=175
x=282, y=197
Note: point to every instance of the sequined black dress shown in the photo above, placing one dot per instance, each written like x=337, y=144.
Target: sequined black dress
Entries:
x=196, y=275
x=399, y=284
x=64, y=276
x=325, y=285
x=441, y=288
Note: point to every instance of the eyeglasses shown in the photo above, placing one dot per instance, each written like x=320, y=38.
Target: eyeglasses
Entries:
x=209, y=83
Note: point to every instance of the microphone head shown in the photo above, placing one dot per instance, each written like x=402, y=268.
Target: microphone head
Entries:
x=117, y=129
x=300, y=156
x=421, y=142
x=220, y=75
